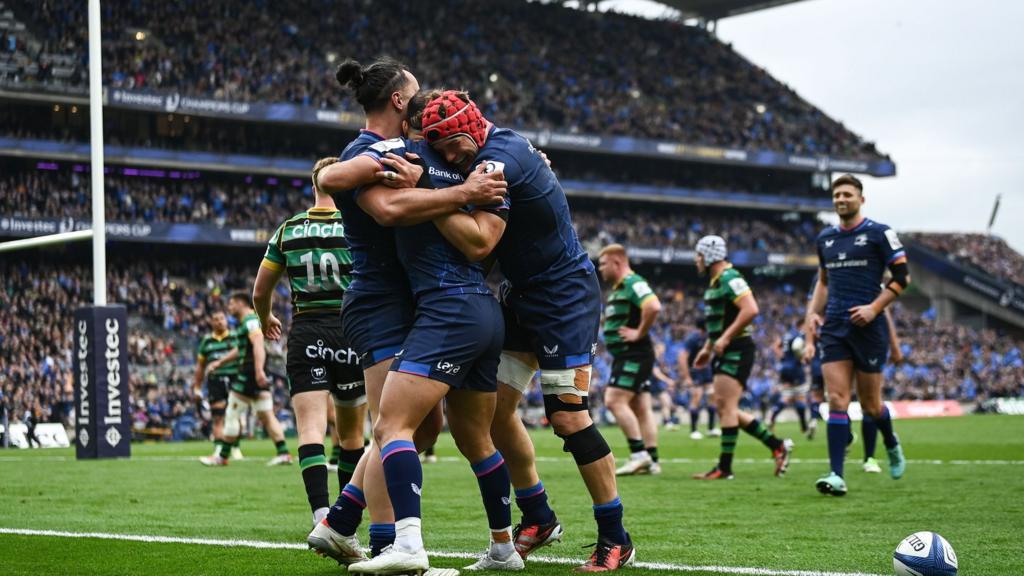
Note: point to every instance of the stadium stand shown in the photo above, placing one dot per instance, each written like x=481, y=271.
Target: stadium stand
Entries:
x=989, y=254
x=508, y=54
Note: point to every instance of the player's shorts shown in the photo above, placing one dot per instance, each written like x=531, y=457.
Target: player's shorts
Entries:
x=737, y=361
x=817, y=381
x=456, y=339
x=631, y=371
x=792, y=375
x=245, y=384
x=217, y=388
x=654, y=386
x=557, y=321
x=376, y=324
x=868, y=347
x=319, y=358
x=701, y=377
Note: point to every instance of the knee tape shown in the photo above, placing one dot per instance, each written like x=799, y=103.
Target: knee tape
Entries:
x=570, y=387
x=265, y=403
x=586, y=446
x=515, y=373
x=233, y=416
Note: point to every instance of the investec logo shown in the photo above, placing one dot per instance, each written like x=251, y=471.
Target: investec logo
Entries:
x=84, y=404
x=114, y=364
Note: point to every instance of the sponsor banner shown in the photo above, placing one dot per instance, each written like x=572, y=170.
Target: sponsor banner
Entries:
x=176, y=103
x=1009, y=406
x=160, y=232
x=697, y=196
x=925, y=409
x=48, y=436
x=1006, y=294
x=744, y=258
x=102, y=411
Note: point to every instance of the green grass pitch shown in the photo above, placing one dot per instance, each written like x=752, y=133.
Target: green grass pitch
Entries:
x=965, y=481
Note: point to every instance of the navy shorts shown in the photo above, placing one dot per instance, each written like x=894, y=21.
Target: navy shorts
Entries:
x=701, y=377
x=790, y=374
x=557, y=321
x=654, y=386
x=455, y=339
x=868, y=347
x=376, y=324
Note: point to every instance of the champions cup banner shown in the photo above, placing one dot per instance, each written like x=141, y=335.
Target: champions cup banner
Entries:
x=1007, y=295
x=158, y=232
x=175, y=103
x=102, y=404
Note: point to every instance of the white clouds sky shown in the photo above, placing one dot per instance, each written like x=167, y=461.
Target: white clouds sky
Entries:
x=938, y=84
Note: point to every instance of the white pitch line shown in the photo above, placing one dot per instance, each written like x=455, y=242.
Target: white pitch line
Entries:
x=738, y=570
x=567, y=460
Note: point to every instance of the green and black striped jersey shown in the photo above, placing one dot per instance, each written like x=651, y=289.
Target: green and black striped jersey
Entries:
x=250, y=323
x=312, y=249
x=720, y=299
x=213, y=347
x=623, y=309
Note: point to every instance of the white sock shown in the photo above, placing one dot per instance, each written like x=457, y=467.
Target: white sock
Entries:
x=502, y=550
x=408, y=536
x=320, y=514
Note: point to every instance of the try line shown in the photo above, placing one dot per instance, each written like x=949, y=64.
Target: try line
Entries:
x=740, y=570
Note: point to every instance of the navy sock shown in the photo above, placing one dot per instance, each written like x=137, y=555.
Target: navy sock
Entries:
x=776, y=410
x=313, y=465
x=711, y=418
x=694, y=418
x=816, y=410
x=381, y=535
x=838, y=436
x=533, y=503
x=347, y=461
x=494, y=481
x=404, y=477
x=869, y=432
x=609, y=522
x=884, y=423
x=347, y=512
x=801, y=412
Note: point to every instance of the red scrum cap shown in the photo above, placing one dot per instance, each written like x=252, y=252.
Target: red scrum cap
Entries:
x=448, y=115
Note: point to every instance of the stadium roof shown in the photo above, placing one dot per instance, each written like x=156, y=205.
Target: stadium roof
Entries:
x=717, y=9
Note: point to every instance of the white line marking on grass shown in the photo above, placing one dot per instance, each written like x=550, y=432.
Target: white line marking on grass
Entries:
x=743, y=571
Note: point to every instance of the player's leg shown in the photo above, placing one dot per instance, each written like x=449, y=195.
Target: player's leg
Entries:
x=696, y=396
x=264, y=406
x=237, y=405
x=217, y=415
x=617, y=396
x=869, y=392
x=641, y=406
x=332, y=431
x=405, y=401
x=727, y=400
x=800, y=404
x=538, y=525
x=711, y=406
x=311, y=420
x=838, y=377
x=470, y=416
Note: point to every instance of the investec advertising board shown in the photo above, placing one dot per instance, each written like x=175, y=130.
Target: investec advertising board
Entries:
x=102, y=407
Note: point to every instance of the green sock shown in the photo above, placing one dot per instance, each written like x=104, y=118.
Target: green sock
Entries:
x=335, y=455
x=729, y=437
x=653, y=451
x=757, y=430
x=282, y=447
x=635, y=445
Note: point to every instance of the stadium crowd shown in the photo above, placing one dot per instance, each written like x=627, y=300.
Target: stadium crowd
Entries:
x=989, y=254
x=607, y=77
x=169, y=304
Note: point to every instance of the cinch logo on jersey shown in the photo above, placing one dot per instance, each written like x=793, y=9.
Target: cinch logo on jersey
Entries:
x=340, y=356
x=317, y=230
x=448, y=367
x=113, y=355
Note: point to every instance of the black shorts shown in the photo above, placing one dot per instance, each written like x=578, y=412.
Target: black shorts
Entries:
x=245, y=384
x=217, y=388
x=737, y=361
x=319, y=358
x=631, y=371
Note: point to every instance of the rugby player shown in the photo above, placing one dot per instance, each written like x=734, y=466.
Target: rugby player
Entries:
x=452, y=352
x=552, y=305
x=310, y=248
x=868, y=428
x=729, y=308
x=791, y=377
x=378, y=307
x=853, y=341
x=251, y=389
x=217, y=364
x=698, y=381
x=629, y=315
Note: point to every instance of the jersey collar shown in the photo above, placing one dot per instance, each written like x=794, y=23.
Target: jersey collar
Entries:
x=221, y=336
x=862, y=222
x=714, y=278
x=321, y=212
